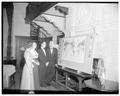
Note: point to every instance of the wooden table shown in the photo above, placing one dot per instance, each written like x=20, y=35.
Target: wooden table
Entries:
x=67, y=72
x=110, y=86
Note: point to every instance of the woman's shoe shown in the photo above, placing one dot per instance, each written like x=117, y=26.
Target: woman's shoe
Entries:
x=31, y=92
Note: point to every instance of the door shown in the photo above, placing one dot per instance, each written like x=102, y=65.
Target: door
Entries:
x=21, y=42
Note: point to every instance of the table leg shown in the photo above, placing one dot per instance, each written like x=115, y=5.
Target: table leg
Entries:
x=66, y=79
x=56, y=76
x=80, y=84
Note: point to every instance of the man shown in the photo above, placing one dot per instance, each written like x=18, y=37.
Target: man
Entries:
x=52, y=57
x=43, y=64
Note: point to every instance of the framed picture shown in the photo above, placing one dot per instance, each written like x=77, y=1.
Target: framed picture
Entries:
x=76, y=53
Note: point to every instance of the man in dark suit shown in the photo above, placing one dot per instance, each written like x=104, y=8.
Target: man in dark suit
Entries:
x=53, y=58
x=43, y=64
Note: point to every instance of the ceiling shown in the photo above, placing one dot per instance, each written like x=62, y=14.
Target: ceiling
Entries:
x=35, y=9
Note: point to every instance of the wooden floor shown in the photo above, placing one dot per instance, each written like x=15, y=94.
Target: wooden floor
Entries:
x=54, y=86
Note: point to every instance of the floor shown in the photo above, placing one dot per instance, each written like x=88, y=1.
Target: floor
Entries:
x=54, y=86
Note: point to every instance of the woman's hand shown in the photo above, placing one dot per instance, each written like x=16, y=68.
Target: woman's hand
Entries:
x=32, y=66
x=36, y=62
x=56, y=65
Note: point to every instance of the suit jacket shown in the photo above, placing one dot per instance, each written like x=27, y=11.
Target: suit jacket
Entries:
x=52, y=57
x=42, y=57
x=42, y=69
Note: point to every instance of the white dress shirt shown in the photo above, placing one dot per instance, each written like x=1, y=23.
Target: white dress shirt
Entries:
x=44, y=51
x=51, y=50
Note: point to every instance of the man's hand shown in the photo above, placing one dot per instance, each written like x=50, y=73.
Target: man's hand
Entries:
x=47, y=63
x=56, y=65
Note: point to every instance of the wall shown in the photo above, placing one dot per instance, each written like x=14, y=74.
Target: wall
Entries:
x=5, y=32
x=58, y=21
x=69, y=18
x=54, y=16
x=103, y=18
x=22, y=29
x=19, y=26
x=57, y=18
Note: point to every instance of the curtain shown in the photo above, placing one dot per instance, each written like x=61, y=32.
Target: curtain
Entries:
x=9, y=9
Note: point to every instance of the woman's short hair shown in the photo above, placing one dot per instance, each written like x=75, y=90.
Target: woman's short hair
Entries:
x=29, y=44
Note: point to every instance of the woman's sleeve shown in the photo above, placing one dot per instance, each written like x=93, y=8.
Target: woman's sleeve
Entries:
x=35, y=60
x=36, y=55
x=28, y=61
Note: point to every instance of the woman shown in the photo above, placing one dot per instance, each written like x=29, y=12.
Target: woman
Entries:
x=30, y=55
x=43, y=59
